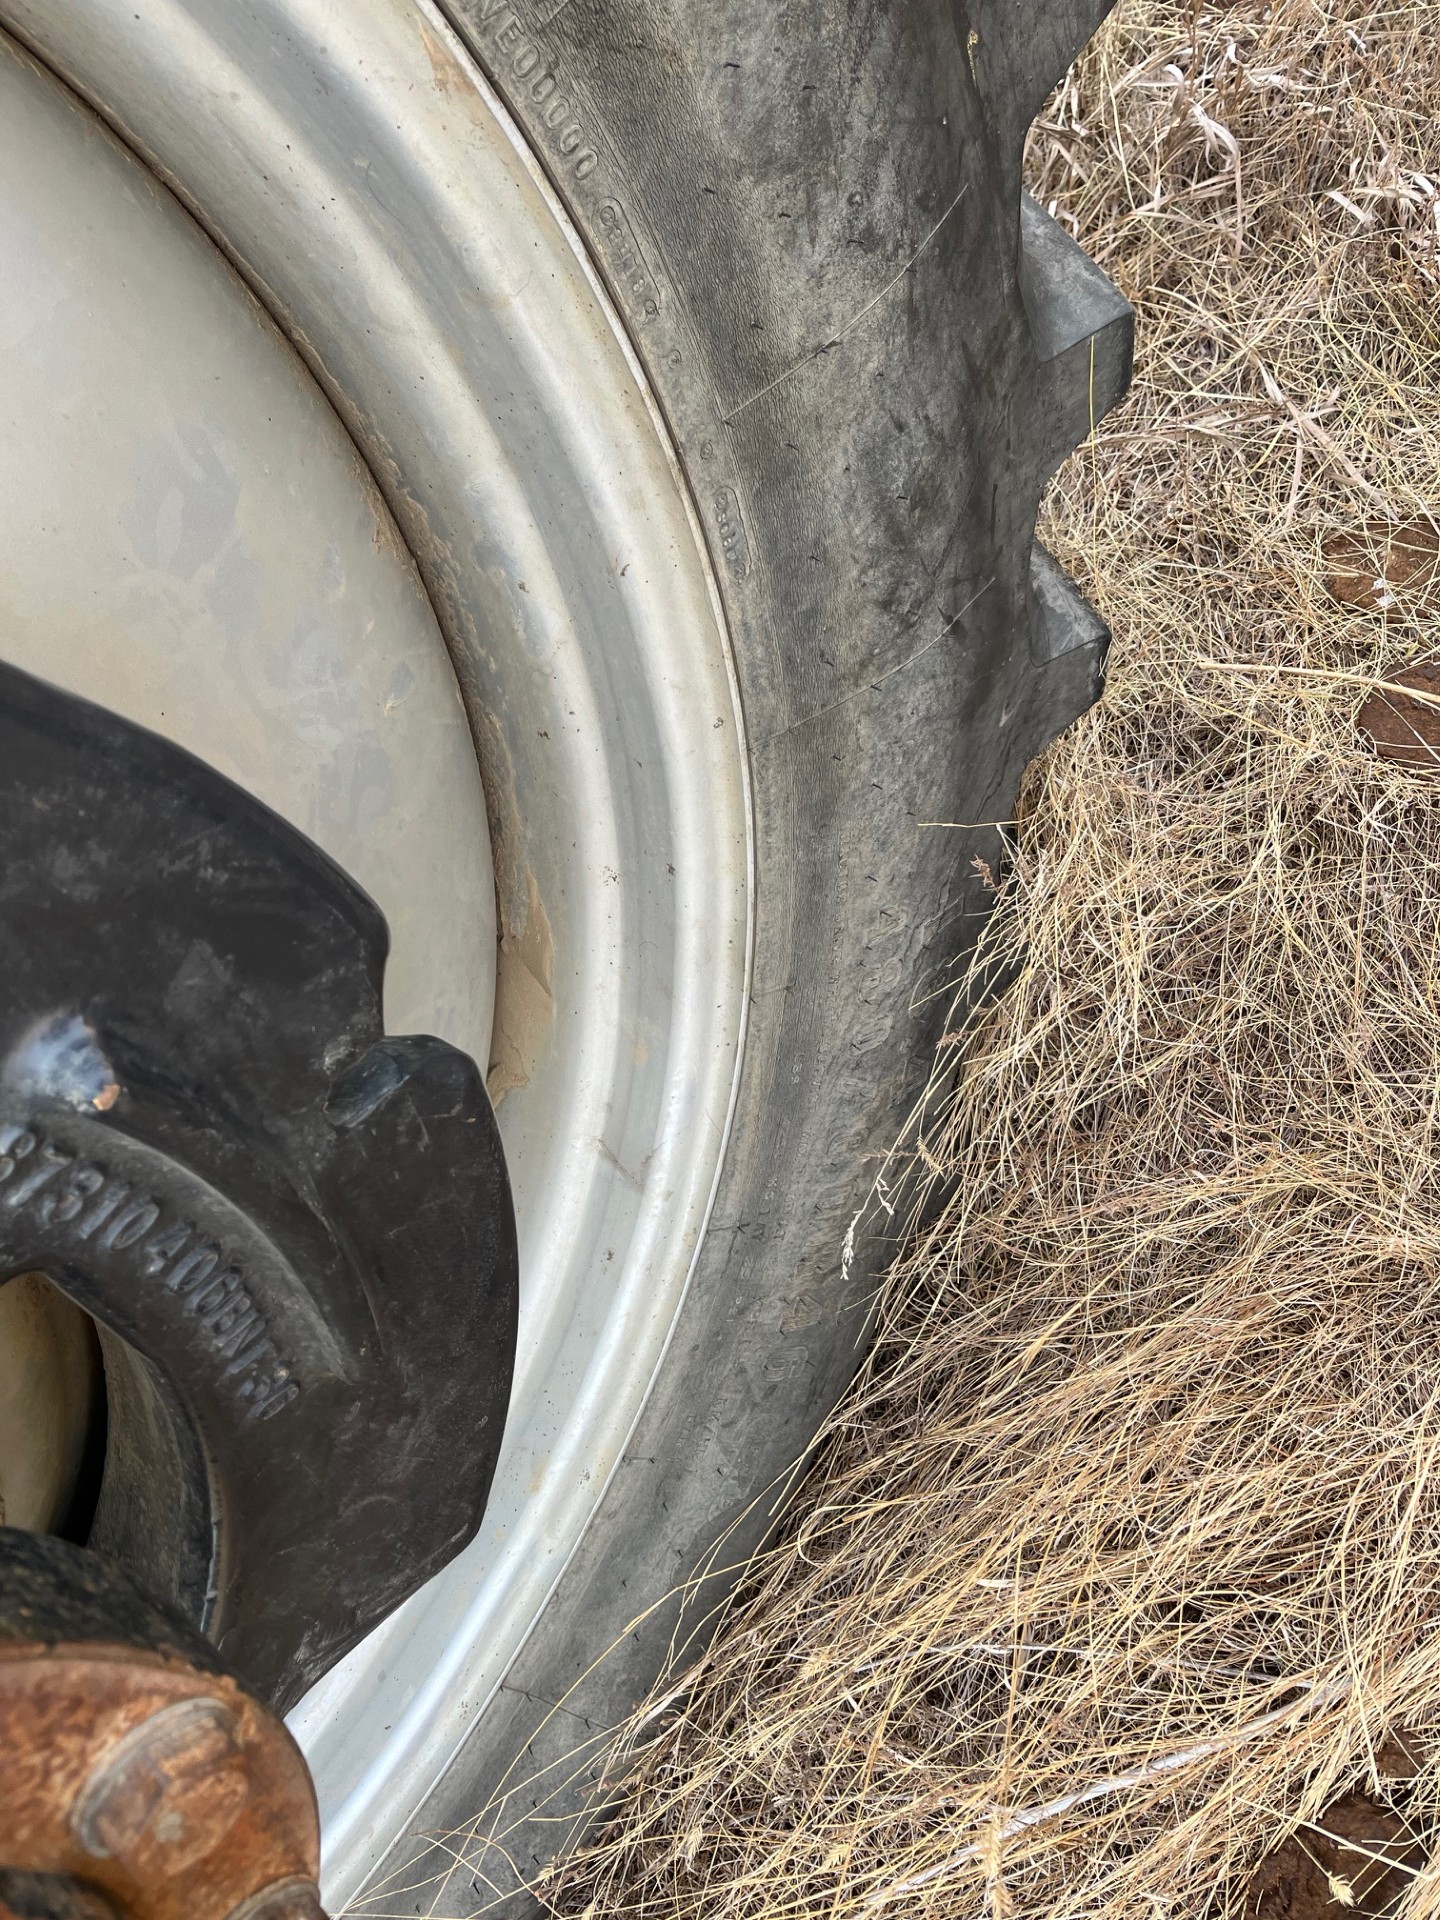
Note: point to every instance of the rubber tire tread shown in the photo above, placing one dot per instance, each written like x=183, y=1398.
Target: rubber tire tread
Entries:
x=871, y=359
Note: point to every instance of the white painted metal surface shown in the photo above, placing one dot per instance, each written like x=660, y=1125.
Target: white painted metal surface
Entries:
x=364, y=177
x=191, y=540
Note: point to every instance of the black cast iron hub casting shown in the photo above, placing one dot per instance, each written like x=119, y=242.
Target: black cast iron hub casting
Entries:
x=294, y=1231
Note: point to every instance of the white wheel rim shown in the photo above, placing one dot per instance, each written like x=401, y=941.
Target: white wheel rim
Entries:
x=364, y=177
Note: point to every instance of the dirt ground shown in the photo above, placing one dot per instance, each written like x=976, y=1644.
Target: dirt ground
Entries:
x=1115, y=1580
x=1344, y=1865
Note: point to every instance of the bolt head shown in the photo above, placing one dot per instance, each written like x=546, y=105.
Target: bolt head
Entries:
x=284, y=1900
x=166, y=1794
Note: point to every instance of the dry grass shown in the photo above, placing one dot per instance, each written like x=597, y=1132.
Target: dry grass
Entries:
x=1124, y=1558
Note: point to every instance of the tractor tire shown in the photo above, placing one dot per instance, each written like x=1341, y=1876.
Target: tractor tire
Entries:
x=873, y=350
x=868, y=351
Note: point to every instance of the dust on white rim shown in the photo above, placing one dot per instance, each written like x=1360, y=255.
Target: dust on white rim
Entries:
x=371, y=186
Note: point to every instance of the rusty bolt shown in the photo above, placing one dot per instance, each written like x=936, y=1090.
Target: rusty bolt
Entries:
x=137, y=1778
x=285, y=1900
x=167, y=1792
x=170, y=1791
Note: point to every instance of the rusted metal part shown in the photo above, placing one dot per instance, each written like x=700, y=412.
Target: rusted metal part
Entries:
x=137, y=1779
x=1404, y=728
x=170, y=1791
x=50, y=1896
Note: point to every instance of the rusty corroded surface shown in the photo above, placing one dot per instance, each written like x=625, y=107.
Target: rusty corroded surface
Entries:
x=46, y=1896
x=165, y=1792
